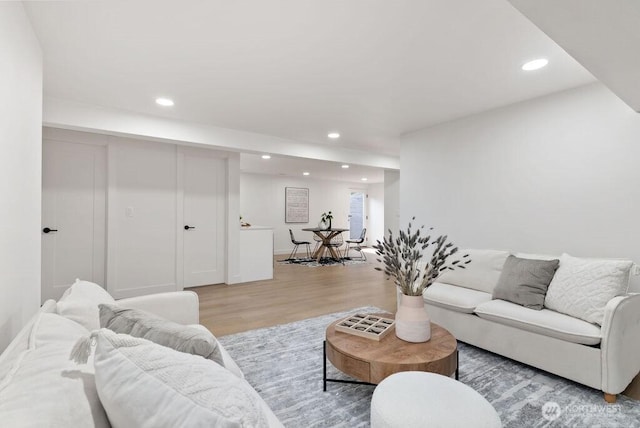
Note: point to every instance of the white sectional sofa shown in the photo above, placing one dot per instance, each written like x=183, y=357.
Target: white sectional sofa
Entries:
x=604, y=355
x=41, y=387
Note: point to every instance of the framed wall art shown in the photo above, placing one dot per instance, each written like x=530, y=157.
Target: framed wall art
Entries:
x=296, y=205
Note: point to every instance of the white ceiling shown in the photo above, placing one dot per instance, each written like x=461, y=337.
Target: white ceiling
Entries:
x=603, y=35
x=318, y=170
x=297, y=69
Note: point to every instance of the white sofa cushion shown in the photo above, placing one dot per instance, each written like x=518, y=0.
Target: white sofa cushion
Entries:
x=456, y=298
x=186, y=390
x=44, y=388
x=80, y=303
x=535, y=256
x=545, y=322
x=20, y=343
x=582, y=287
x=481, y=274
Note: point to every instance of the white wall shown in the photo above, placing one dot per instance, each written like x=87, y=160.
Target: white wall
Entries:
x=20, y=170
x=142, y=242
x=262, y=204
x=391, y=201
x=376, y=230
x=551, y=175
x=233, y=214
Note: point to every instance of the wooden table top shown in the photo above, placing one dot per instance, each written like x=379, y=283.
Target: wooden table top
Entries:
x=391, y=354
x=317, y=229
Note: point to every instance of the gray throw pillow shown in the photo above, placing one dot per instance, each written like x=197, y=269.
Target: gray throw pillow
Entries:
x=525, y=281
x=167, y=333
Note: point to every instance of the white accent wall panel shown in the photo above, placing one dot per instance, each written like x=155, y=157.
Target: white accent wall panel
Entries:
x=555, y=174
x=392, y=201
x=20, y=170
x=376, y=213
x=142, y=230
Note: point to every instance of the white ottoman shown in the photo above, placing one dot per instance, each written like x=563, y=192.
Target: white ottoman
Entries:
x=421, y=399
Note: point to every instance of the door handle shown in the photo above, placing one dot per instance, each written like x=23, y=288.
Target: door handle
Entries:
x=187, y=227
x=47, y=230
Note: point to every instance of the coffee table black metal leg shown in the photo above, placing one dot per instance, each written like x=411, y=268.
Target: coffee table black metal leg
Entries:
x=324, y=372
x=457, y=364
x=324, y=365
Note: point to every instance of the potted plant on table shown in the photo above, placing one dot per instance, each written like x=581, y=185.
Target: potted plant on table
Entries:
x=325, y=220
x=402, y=259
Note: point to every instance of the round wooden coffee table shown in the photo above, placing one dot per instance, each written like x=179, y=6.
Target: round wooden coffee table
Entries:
x=371, y=361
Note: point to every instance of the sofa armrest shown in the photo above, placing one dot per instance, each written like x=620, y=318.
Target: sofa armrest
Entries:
x=177, y=306
x=620, y=343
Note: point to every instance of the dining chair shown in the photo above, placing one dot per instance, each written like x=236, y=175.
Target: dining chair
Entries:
x=296, y=244
x=355, y=244
x=318, y=242
x=336, y=242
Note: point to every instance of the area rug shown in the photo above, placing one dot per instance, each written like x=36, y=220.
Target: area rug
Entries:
x=323, y=262
x=284, y=364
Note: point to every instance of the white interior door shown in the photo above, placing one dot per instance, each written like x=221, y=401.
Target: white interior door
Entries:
x=357, y=216
x=204, y=210
x=73, y=215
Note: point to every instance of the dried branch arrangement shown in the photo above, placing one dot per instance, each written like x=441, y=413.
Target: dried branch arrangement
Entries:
x=402, y=255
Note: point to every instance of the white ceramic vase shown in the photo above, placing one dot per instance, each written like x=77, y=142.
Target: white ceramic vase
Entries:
x=322, y=225
x=412, y=322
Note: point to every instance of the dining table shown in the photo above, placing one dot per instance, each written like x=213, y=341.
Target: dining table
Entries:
x=326, y=235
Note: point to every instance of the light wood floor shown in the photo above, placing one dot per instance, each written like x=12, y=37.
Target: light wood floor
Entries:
x=300, y=292
x=295, y=293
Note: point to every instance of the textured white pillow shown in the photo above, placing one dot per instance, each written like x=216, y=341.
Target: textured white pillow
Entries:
x=481, y=274
x=582, y=287
x=145, y=385
x=80, y=303
x=44, y=388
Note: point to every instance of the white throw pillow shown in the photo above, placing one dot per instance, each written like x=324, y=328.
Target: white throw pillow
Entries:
x=80, y=303
x=44, y=388
x=583, y=287
x=481, y=274
x=145, y=385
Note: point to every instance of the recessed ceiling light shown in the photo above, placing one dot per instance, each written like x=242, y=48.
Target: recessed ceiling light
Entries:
x=536, y=64
x=305, y=173
x=165, y=102
x=364, y=179
x=345, y=166
x=266, y=156
x=333, y=135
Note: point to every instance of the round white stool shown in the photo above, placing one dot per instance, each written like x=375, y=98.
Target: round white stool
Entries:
x=421, y=399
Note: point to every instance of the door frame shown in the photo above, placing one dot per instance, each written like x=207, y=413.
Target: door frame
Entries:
x=100, y=237
x=180, y=159
x=365, y=211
